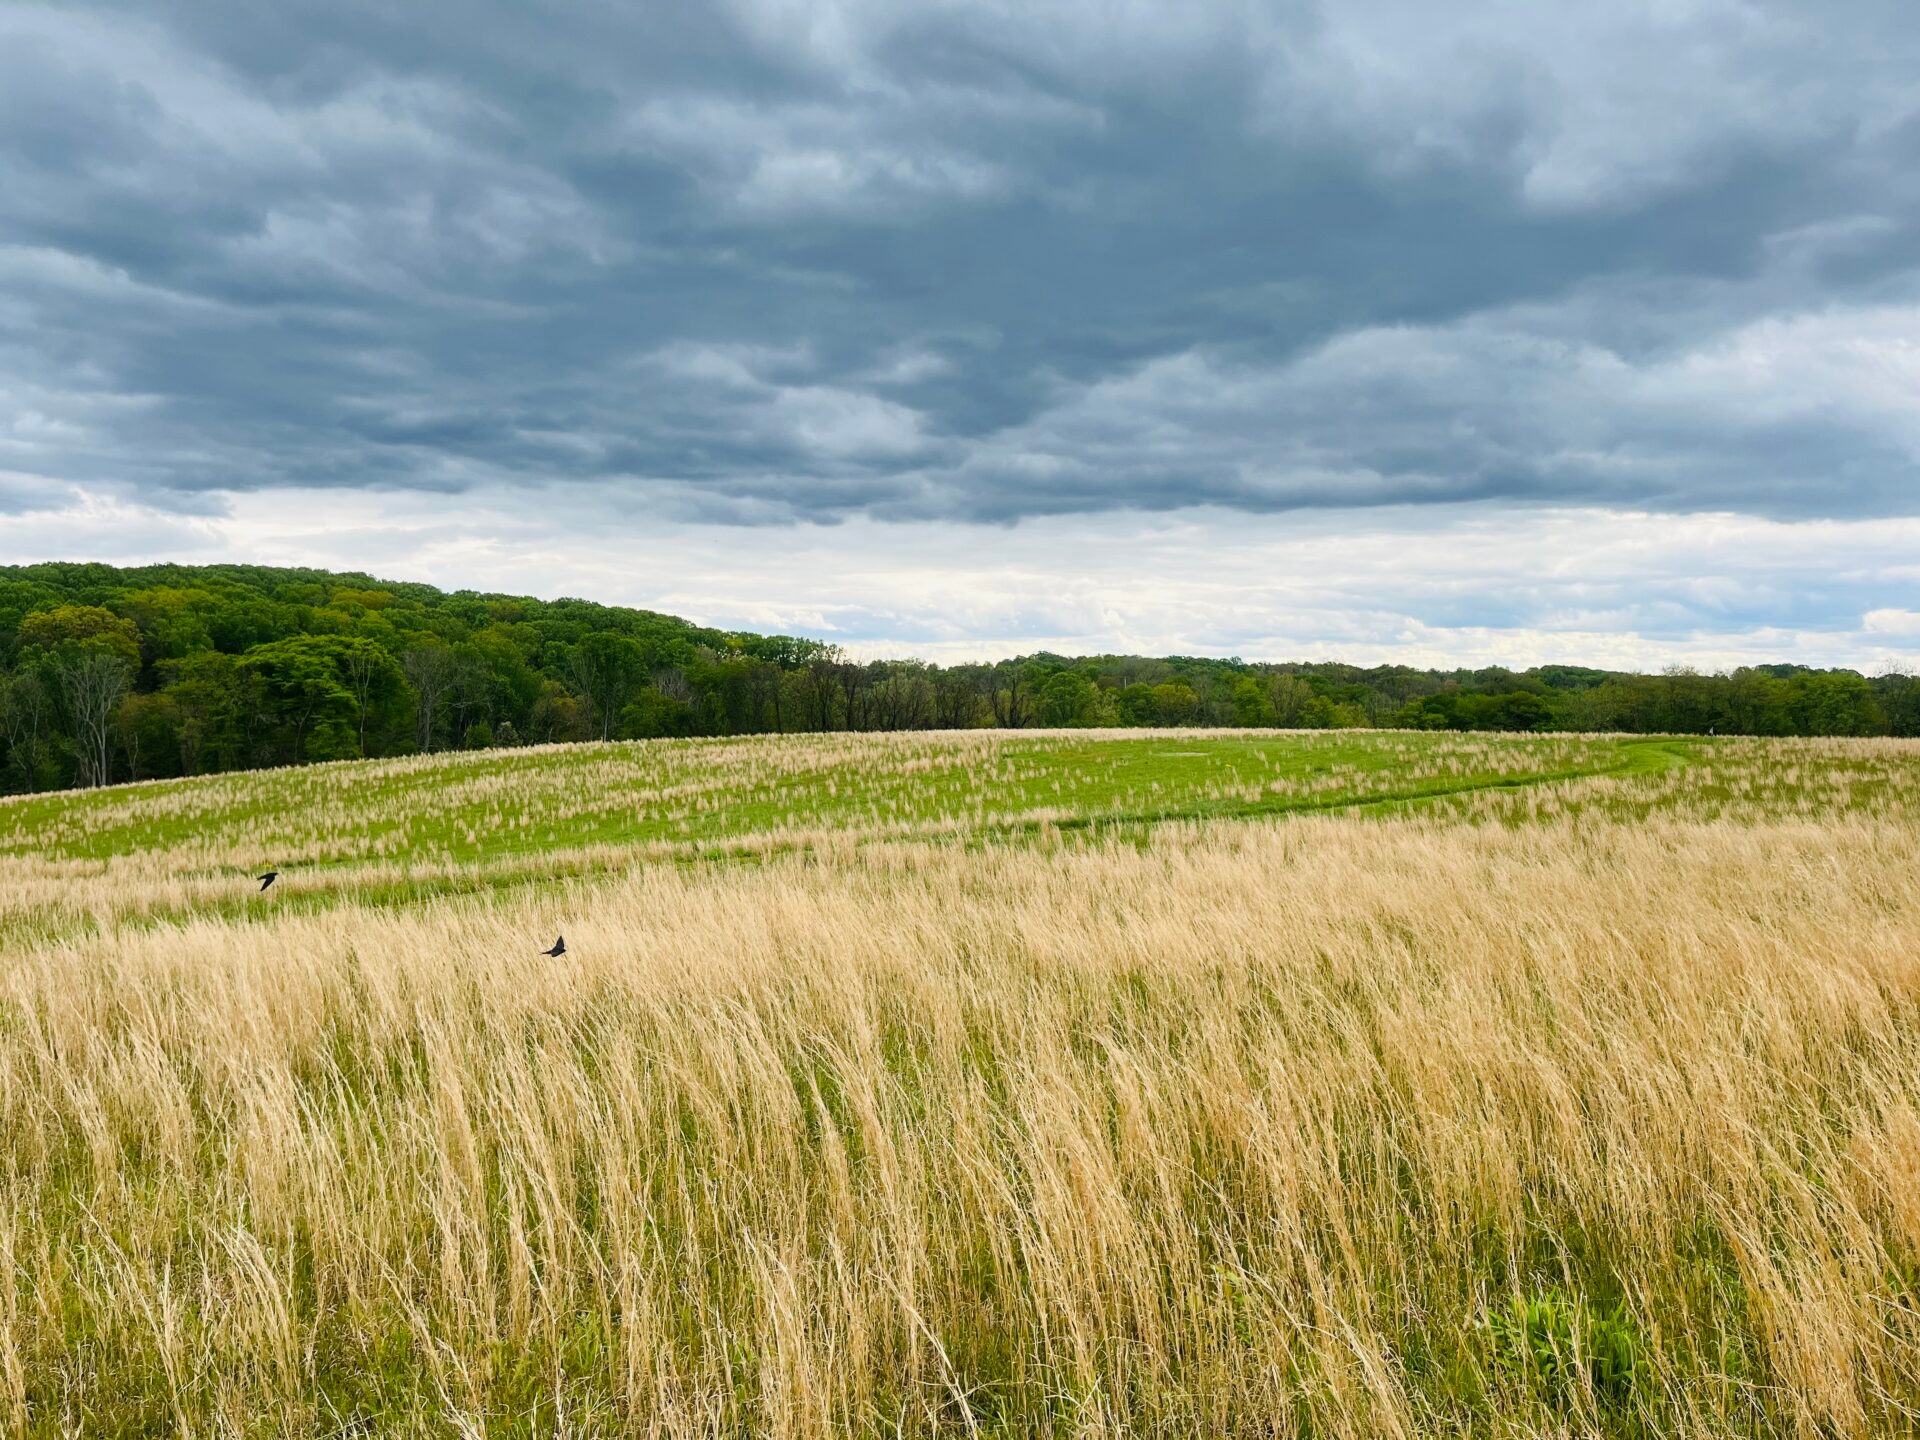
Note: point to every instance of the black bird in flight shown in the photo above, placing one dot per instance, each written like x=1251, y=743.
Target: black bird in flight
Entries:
x=559, y=947
x=268, y=878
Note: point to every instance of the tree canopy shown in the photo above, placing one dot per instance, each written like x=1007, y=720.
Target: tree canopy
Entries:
x=111, y=674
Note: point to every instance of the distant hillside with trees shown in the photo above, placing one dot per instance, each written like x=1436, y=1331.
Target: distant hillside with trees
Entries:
x=110, y=674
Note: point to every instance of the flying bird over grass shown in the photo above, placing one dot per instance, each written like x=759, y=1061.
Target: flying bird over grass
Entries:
x=559, y=947
x=268, y=878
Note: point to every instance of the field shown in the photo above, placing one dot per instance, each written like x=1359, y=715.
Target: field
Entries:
x=1351, y=1083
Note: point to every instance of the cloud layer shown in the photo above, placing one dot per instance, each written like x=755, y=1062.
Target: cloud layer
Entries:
x=1419, y=585
x=964, y=262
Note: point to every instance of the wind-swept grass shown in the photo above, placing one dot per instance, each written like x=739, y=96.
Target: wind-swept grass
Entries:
x=1578, y=1106
x=477, y=808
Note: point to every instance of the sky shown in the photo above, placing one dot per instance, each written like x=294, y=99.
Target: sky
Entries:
x=1486, y=332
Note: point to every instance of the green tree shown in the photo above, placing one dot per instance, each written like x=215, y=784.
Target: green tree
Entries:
x=307, y=693
x=1069, y=698
x=91, y=654
x=557, y=715
x=1899, y=697
x=27, y=724
x=651, y=715
x=1251, y=705
x=1009, y=691
x=606, y=669
x=430, y=670
x=147, y=728
x=1515, y=710
x=1175, y=703
x=1320, y=713
x=1753, y=702
x=172, y=620
x=1833, y=702
x=1135, y=704
x=1288, y=697
x=513, y=680
x=377, y=684
x=94, y=674
x=68, y=625
x=332, y=738
x=219, y=709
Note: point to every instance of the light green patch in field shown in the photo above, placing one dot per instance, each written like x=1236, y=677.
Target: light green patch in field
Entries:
x=490, y=807
x=416, y=830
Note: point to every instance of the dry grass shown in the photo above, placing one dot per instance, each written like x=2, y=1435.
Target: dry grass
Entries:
x=1265, y=1128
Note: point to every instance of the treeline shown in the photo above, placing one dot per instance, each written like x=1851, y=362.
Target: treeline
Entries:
x=111, y=674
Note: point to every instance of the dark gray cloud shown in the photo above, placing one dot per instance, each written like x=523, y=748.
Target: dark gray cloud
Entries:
x=773, y=260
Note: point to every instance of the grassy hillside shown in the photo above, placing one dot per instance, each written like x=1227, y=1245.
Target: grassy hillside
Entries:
x=480, y=807
x=1095, y=1084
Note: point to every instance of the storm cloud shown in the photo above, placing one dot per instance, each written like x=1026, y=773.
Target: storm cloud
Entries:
x=796, y=260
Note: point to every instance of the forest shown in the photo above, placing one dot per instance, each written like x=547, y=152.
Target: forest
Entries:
x=110, y=674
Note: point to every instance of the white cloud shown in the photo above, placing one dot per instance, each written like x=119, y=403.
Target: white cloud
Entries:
x=939, y=260
x=1446, y=586
x=1892, y=622
x=910, y=365
x=825, y=420
x=376, y=183
x=1098, y=41
x=1501, y=403
x=1591, y=107
x=878, y=155
x=757, y=391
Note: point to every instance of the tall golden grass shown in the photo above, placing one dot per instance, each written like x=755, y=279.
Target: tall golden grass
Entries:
x=1323, y=1127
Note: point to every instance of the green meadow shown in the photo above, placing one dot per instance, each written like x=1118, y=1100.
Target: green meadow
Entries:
x=478, y=807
